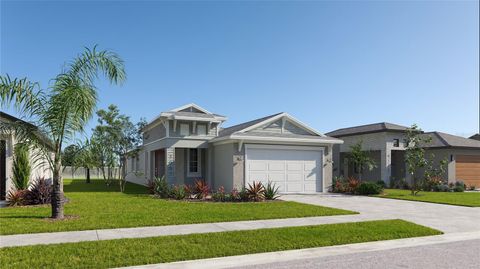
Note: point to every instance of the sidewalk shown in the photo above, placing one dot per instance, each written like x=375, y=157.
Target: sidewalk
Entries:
x=139, y=232
x=262, y=259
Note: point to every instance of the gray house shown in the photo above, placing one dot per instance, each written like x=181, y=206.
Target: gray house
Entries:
x=386, y=144
x=188, y=143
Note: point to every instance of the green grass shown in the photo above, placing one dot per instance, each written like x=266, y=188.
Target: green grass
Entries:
x=96, y=206
x=127, y=252
x=451, y=198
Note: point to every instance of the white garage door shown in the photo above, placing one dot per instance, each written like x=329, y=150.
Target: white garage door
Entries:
x=292, y=169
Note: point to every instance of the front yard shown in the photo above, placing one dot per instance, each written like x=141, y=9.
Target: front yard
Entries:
x=127, y=252
x=471, y=199
x=96, y=206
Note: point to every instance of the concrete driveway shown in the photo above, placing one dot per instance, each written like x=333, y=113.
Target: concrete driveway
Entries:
x=446, y=218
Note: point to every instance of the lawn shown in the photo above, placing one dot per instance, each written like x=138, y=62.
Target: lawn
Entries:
x=451, y=198
x=96, y=206
x=127, y=252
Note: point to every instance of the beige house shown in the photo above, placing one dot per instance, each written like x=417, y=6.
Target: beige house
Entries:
x=40, y=167
x=386, y=143
x=189, y=143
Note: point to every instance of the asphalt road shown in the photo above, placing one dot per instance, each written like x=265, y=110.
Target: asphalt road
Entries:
x=463, y=254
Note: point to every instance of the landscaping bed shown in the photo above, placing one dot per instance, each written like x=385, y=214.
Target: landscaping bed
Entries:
x=97, y=206
x=128, y=252
x=471, y=199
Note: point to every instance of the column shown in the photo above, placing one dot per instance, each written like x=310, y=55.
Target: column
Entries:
x=170, y=164
x=386, y=165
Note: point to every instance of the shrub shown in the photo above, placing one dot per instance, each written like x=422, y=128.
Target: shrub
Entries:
x=21, y=167
x=219, y=195
x=200, y=189
x=471, y=187
x=431, y=182
x=368, y=188
x=151, y=186
x=338, y=185
x=234, y=195
x=460, y=184
x=256, y=191
x=353, y=184
x=188, y=191
x=458, y=188
x=271, y=191
x=381, y=183
x=243, y=195
x=441, y=188
x=161, y=187
x=16, y=197
x=178, y=193
x=401, y=184
x=40, y=192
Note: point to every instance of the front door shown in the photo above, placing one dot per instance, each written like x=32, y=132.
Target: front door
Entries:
x=3, y=169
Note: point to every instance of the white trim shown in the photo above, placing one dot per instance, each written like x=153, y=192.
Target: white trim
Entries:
x=192, y=105
x=166, y=125
x=195, y=119
x=175, y=126
x=240, y=144
x=282, y=147
x=276, y=139
x=199, y=163
x=203, y=137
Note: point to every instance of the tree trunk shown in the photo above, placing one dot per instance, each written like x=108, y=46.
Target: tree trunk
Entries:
x=57, y=190
x=88, y=174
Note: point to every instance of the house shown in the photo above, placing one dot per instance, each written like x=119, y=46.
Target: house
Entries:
x=40, y=167
x=189, y=143
x=475, y=136
x=386, y=145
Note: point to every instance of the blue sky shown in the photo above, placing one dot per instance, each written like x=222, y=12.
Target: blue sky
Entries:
x=330, y=64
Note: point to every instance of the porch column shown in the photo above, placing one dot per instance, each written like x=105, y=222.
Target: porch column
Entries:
x=170, y=164
x=386, y=165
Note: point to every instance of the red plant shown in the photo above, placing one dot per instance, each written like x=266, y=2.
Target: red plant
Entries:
x=151, y=186
x=188, y=190
x=16, y=197
x=256, y=191
x=200, y=189
x=353, y=184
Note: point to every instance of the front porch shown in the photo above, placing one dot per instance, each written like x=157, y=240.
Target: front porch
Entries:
x=180, y=165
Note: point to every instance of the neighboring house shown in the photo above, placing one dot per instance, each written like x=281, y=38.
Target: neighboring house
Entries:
x=188, y=143
x=475, y=136
x=386, y=143
x=40, y=167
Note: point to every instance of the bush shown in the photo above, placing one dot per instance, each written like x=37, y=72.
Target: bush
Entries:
x=16, y=197
x=458, y=188
x=178, y=193
x=338, y=185
x=368, y=188
x=243, y=195
x=200, y=189
x=256, y=191
x=381, y=183
x=432, y=182
x=441, y=188
x=151, y=186
x=271, y=191
x=471, y=187
x=234, y=195
x=21, y=167
x=40, y=192
x=353, y=184
x=460, y=184
x=188, y=191
x=219, y=195
x=161, y=187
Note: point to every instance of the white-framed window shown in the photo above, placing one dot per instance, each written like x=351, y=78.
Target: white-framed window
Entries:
x=201, y=129
x=194, y=163
x=184, y=129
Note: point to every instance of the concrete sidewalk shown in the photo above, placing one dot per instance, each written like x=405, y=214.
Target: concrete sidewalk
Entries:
x=280, y=257
x=140, y=232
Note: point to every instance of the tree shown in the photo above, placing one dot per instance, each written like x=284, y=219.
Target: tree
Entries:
x=415, y=155
x=61, y=110
x=117, y=138
x=21, y=167
x=86, y=158
x=68, y=157
x=360, y=159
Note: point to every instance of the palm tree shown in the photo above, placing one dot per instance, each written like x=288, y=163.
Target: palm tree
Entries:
x=59, y=111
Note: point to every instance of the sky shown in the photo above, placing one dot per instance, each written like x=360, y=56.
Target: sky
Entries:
x=329, y=64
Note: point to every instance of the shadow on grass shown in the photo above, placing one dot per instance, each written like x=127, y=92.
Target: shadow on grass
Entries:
x=99, y=185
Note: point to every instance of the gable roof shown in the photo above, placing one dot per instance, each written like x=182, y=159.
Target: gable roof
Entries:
x=443, y=140
x=40, y=135
x=241, y=131
x=475, y=136
x=367, y=129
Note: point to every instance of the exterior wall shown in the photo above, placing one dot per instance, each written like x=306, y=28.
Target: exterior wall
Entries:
x=136, y=173
x=327, y=168
x=223, y=166
x=155, y=133
x=450, y=154
x=238, y=166
x=176, y=132
x=40, y=168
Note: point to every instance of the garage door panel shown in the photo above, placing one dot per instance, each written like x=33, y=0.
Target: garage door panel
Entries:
x=467, y=169
x=292, y=170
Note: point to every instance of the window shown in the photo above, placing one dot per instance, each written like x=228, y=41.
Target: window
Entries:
x=201, y=130
x=396, y=143
x=184, y=129
x=194, y=163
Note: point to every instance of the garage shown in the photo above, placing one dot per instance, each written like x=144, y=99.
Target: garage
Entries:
x=294, y=169
x=467, y=169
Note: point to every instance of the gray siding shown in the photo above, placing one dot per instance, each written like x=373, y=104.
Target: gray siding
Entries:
x=223, y=166
x=176, y=133
x=155, y=133
x=276, y=127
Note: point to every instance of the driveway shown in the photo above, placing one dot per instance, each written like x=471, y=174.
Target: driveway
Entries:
x=446, y=218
